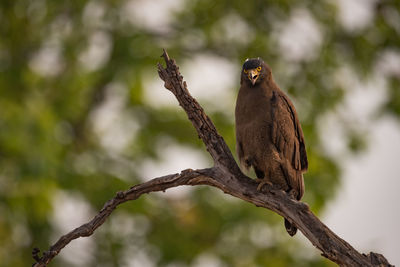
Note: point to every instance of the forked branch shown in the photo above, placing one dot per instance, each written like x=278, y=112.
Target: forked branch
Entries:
x=225, y=175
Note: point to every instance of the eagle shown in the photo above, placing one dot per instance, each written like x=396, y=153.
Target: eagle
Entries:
x=269, y=137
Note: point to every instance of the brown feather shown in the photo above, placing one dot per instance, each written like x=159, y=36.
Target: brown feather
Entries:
x=268, y=133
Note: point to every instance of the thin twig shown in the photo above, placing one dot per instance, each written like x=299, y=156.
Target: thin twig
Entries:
x=186, y=177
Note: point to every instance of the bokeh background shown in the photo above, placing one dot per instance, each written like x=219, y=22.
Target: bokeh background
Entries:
x=83, y=115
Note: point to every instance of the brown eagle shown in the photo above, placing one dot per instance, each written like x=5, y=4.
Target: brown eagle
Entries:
x=269, y=137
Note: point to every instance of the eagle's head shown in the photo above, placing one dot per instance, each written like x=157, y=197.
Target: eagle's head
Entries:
x=255, y=71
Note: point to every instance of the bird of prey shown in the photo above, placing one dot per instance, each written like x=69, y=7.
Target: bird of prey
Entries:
x=269, y=137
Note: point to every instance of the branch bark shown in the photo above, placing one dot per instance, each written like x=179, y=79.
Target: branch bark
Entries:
x=225, y=175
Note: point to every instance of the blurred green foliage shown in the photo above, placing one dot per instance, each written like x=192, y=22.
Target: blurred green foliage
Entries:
x=61, y=62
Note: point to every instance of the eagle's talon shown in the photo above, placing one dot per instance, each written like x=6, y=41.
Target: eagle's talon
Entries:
x=261, y=184
x=292, y=194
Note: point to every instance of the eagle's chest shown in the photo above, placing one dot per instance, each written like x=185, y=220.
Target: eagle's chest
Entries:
x=253, y=118
x=253, y=109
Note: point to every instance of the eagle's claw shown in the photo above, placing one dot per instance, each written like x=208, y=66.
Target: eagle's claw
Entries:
x=261, y=184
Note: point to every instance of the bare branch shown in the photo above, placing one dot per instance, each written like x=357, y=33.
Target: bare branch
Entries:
x=186, y=177
x=226, y=175
x=206, y=130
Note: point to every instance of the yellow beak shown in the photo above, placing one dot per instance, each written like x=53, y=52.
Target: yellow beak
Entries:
x=253, y=76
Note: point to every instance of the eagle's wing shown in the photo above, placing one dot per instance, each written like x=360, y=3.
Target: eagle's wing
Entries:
x=287, y=136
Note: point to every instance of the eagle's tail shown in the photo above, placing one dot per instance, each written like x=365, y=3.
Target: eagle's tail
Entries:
x=290, y=228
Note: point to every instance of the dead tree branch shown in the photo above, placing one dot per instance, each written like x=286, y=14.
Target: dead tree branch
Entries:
x=186, y=177
x=225, y=175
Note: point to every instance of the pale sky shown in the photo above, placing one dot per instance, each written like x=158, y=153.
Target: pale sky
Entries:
x=366, y=211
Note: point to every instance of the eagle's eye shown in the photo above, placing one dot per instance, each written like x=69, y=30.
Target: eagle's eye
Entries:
x=245, y=71
x=259, y=68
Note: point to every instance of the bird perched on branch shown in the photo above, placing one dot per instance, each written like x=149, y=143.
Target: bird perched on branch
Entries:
x=269, y=137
